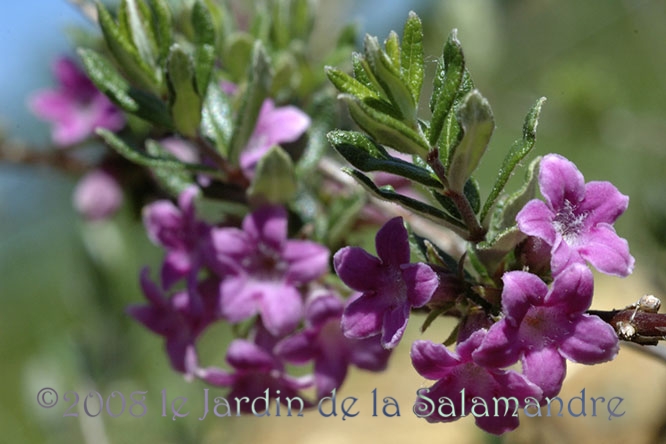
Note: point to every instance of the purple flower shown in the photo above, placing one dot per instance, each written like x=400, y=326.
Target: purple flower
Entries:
x=263, y=269
x=179, y=231
x=255, y=370
x=389, y=284
x=460, y=380
x=76, y=107
x=179, y=318
x=576, y=219
x=543, y=327
x=98, y=195
x=322, y=341
x=274, y=126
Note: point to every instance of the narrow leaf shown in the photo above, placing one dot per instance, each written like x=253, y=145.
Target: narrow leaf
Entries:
x=476, y=120
x=257, y=90
x=274, y=179
x=185, y=102
x=162, y=27
x=392, y=45
x=364, y=154
x=216, y=119
x=411, y=55
x=517, y=152
x=348, y=85
x=384, y=128
x=413, y=205
x=447, y=83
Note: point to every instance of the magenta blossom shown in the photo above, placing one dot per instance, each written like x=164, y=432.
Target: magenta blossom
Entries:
x=460, y=381
x=255, y=370
x=275, y=125
x=98, y=195
x=322, y=341
x=542, y=327
x=76, y=107
x=179, y=231
x=263, y=269
x=180, y=318
x=389, y=284
x=576, y=219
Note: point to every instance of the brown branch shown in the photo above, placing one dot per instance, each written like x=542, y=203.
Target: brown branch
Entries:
x=634, y=325
x=52, y=157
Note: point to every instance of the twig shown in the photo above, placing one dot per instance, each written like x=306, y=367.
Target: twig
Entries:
x=52, y=157
x=634, y=325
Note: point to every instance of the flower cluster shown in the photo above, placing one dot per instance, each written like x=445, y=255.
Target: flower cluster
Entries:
x=252, y=273
x=540, y=326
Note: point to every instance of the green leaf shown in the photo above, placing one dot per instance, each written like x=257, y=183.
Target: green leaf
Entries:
x=280, y=24
x=447, y=83
x=173, y=180
x=411, y=55
x=508, y=207
x=413, y=205
x=216, y=118
x=258, y=86
x=364, y=154
x=238, y=55
x=392, y=45
x=301, y=20
x=342, y=214
x=493, y=252
x=434, y=314
x=126, y=53
x=141, y=30
x=431, y=253
x=473, y=194
x=384, y=128
x=202, y=24
x=348, y=85
x=274, y=179
x=162, y=27
x=324, y=107
x=360, y=73
x=184, y=100
x=517, y=152
x=389, y=78
x=142, y=158
x=204, y=41
x=110, y=82
x=476, y=120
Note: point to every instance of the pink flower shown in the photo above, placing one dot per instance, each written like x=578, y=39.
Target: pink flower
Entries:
x=98, y=195
x=542, y=327
x=274, y=126
x=576, y=219
x=76, y=107
x=262, y=269
x=460, y=380
x=389, y=284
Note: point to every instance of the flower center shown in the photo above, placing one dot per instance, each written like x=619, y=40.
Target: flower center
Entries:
x=569, y=223
x=265, y=264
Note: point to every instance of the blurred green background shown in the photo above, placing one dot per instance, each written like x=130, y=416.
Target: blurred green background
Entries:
x=64, y=284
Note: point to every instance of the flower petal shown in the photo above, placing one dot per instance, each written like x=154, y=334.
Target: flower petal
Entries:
x=268, y=225
x=297, y=349
x=603, y=203
x=536, y=219
x=363, y=317
x=521, y=290
x=392, y=242
x=545, y=368
x=307, y=260
x=368, y=354
x=164, y=224
x=357, y=268
x=282, y=124
x=593, y=341
x=281, y=308
x=246, y=355
x=560, y=180
x=500, y=346
x=432, y=361
x=421, y=282
x=608, y=252
x=394, y=324
x=572, y=289
x=322, y=307
x=239, y=298
x=330, y=371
